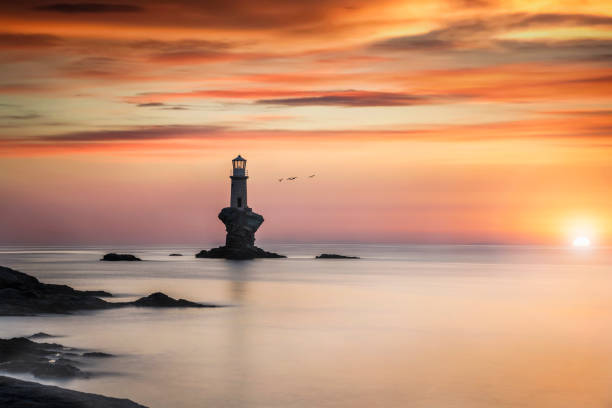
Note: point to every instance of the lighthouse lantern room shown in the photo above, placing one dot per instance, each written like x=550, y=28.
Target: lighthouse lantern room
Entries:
x=239, y=178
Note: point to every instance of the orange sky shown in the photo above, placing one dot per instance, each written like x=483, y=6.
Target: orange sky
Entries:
x=441, y=122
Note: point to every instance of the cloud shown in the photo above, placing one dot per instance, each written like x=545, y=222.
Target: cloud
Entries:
x=27, y=88
x=137, y=133
x=74, y=8
x=268, y=96
x=481, y=32
x=150, y=104
x=161, y=105
x=27, y=116
x=20, y=40
x=352, y=98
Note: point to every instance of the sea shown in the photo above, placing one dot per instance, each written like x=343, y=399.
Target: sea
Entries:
x=432, y=326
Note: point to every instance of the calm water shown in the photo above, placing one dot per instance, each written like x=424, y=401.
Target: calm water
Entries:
x=407, y=326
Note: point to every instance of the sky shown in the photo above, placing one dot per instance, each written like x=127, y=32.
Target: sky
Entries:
x=455, y=121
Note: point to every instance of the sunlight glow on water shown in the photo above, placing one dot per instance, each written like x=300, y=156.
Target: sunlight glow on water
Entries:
x=418, y=326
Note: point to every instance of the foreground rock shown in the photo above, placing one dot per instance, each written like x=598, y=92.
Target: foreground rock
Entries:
x=25, y=394
x=335, y=256
x=23, y=295
x=119, y=257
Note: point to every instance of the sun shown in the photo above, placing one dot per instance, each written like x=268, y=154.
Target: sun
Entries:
x=581, y=242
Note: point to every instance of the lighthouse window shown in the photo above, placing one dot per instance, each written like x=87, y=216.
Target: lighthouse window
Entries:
x=239, y=201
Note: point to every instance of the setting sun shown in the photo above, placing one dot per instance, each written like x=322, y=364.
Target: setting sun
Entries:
x=581, y=242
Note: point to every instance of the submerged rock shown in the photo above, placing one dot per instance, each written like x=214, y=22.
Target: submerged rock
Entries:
x=119, y=257
x=43, y=360
x=97, y=354
x=335, y=256
x=23, y=295
x=175, y=255
x=25, y=394
x=41, y=335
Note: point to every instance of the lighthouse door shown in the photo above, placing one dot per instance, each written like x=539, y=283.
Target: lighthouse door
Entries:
x=239, y=202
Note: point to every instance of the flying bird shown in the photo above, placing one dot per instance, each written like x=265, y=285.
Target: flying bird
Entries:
x=280, y=179
x=312, y=175
x=291, y=178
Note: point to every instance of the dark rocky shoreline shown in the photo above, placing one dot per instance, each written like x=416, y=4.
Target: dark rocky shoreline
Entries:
x=16, y=393
x=24, y=295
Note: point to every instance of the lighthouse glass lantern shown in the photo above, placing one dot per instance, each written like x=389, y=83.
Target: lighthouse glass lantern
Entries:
x=238, y=197
x=239, y=165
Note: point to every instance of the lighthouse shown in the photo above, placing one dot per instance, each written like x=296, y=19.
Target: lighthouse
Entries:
x=240, y=221
x=238, y=194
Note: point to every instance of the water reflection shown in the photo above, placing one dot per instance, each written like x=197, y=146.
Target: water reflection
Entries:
x=238, y=284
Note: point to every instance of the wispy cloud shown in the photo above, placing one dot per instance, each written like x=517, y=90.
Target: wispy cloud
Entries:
x=75, y=8
x=137, y=133
x=352, y=98
x=25, y=116
x=27, y=41
x=482, y=32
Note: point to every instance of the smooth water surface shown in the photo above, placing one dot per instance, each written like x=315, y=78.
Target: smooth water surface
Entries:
x=405, y=326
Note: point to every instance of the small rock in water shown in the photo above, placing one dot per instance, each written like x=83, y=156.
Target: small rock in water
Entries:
x=159, y=299
x=175, y=255
x=119, y=257
x=335, y=256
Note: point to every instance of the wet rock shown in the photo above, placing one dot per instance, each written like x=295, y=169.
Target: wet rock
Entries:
x=25, y=394
x=175, y=255
x=21, y=294
x=43, y=360
x=119, y=257
x=335, y=256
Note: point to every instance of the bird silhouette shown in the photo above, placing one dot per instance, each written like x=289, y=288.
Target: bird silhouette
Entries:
x=312, y=175
x=291, y=178
x=280, y=179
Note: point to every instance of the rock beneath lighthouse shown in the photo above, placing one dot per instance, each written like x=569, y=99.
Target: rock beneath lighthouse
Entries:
x=241, y=225
x=237, y=253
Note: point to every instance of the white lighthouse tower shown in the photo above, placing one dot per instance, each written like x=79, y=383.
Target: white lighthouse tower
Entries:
x=238, y=197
